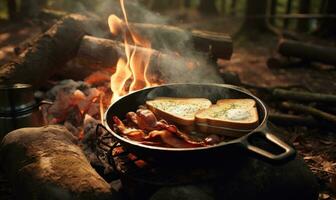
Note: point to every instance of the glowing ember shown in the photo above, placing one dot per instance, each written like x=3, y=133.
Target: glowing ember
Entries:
x=134, y=69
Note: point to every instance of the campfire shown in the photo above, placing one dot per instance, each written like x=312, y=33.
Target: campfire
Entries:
x=86, y=66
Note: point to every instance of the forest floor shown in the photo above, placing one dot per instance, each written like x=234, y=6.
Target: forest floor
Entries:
x=316, y=145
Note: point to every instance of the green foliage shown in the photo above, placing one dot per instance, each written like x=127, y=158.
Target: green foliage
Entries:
x=3, y=10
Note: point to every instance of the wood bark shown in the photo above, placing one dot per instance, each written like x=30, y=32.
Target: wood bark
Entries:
x=164, y=37
x=48, y=53
x=310, y=52
x=101, y=53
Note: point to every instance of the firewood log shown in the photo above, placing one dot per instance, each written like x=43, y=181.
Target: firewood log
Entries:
x=309, y=110
x=101, y=53
x=303, y=96
x=292, y=120
x=46, y=163
x=310, y=52
x=165, y=37
x=49, y=52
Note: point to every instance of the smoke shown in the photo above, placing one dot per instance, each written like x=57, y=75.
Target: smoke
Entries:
x=175, y=44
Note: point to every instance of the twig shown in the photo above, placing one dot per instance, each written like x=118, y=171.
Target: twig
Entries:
x=310, y=110
x=292, y=120
x=303, y=96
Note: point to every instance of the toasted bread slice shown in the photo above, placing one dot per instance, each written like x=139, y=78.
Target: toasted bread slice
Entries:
x=236, y=115
x=178, y=110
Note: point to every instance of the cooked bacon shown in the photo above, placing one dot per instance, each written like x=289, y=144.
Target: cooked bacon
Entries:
x=170, y=139
x=131, y=133
x=146, y=120
x=159, y=133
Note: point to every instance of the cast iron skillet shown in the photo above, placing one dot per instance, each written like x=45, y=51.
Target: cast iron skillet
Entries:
x=223, y=150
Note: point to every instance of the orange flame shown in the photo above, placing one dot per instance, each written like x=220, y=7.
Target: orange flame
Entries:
x=134, y=68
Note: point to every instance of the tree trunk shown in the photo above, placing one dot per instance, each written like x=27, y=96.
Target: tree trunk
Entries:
x=29, y=8
x=223, y=7
x=208, y=7
x=233, y=7
x=288, y=10
x=11, y=5
x=187, y=3
x=304, y=8
x=327, y=26
x=255, y=17
x=273, y=11
x=309, y=52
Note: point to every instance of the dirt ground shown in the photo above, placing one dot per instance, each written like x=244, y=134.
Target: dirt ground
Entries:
x=316, y=145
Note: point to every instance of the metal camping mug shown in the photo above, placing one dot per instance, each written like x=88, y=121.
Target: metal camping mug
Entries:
x=18, y=108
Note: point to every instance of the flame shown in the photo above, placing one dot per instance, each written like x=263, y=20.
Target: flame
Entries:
x=134, y=68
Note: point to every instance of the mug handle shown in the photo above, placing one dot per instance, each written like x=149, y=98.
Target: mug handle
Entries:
x=287, y=154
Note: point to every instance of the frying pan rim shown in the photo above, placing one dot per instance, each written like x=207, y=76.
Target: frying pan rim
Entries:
x=157, y=148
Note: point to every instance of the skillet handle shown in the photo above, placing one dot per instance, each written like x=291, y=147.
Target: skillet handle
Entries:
x=287, y=151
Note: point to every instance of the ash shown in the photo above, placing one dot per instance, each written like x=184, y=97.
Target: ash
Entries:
x=76, y=105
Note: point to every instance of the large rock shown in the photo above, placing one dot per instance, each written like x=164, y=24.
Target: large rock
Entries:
x=256, y=180
x=46, y=163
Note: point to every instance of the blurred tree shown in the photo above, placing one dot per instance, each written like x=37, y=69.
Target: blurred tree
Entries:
x=28, y=8
x=11, y=7
x=304, y=8
x=233, y=7
x=187, y=3
x=208, y=7
x=223, y=6
x=273, y=11
x=255, y=12
x=327, y=27
x=288, y=11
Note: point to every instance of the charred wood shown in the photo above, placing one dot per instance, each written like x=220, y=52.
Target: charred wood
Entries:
x=310, y=52
x=165, y=37
x=99, y=53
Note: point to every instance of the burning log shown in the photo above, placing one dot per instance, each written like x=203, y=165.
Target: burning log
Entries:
x=46, y=163
x=102, y=53
x=50, y=51
x=164, y=37
x=173, y=38
x=308, y=52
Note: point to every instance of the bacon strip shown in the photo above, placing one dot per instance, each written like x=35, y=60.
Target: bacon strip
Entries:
x=148, y=130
